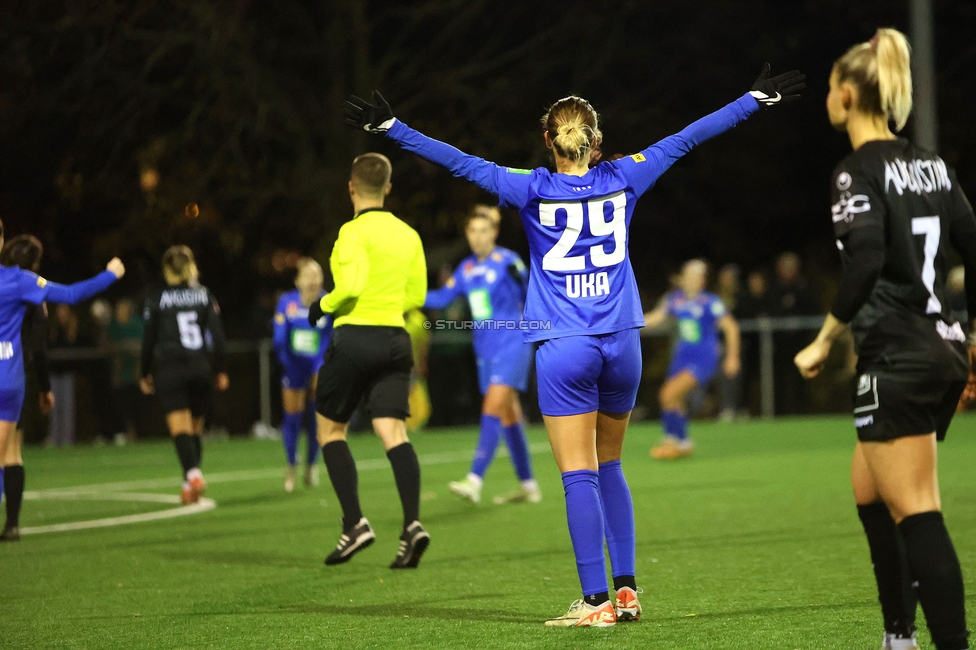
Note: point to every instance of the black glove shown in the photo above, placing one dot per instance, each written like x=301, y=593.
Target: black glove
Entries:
x=315, y=313
x=360, y=114
x=781, y=89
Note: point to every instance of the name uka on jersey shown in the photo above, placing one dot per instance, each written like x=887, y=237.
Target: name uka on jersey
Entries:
x=588, y=285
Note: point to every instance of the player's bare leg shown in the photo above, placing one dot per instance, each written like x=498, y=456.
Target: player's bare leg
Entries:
x=10, y=444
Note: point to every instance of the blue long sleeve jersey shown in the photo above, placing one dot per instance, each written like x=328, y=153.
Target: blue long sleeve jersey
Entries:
x=698, y=319
x=294, y=339
x=581, y=280
x=495, y=288
x=19, y=288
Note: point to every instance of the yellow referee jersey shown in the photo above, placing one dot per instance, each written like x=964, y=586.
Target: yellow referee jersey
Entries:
x=379, y=270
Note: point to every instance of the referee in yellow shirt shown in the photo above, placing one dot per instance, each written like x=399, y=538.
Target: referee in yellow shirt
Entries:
x=380, y=273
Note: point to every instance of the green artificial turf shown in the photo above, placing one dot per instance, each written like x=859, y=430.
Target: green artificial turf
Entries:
x=752, y=543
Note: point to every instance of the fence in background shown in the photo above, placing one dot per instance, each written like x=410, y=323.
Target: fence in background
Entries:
x=253, y=395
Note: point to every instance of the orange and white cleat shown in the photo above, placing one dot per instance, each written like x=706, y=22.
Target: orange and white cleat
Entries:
x=672, y=449
x=197, y=485
x=626, y=606
x=582, y=615
x=186, y=495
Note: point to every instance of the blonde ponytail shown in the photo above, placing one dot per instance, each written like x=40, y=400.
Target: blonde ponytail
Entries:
x=881, y=71
x=573, y=128
x=894, y=75
x=179, y=265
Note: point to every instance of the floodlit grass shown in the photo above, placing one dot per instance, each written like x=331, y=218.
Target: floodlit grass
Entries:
x=752, y=543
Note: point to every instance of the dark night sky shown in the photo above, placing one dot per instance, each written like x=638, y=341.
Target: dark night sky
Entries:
x=236, y=104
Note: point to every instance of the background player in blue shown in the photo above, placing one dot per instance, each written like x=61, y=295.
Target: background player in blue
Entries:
x=300, y=348
x=695, y=357
x=18, y=290
x=493, y=279
x=583, y=307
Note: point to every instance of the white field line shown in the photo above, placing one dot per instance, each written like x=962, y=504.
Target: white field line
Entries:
x=123, y=491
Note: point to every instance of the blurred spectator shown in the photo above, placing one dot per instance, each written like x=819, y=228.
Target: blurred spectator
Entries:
x=125, y=335
x=728, y=288
x=756, y=302
x=64, y=334
x=956, y=294
x=98, y=372
x=791, y=297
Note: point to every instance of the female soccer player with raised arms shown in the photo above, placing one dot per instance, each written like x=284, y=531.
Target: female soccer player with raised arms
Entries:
x=896, y=209
x=583, y=298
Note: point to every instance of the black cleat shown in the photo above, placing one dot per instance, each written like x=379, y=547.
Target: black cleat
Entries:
x=413, y=542
x=352, y=541
x=10, y=534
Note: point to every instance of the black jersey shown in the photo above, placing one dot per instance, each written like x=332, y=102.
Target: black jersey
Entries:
x=183, y=328
x=905, y=204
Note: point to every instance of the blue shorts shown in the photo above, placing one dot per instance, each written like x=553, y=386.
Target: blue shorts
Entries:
x=508, y=364
x=701, y=362
x=581, y=374
x=11, y=404
x=298, y=373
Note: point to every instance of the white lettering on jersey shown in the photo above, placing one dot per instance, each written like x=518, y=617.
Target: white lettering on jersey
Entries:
x=848, y=206
x=919, y=176
x=183, y=298
x=6, y=350
x=588, y=285
x=950, y=332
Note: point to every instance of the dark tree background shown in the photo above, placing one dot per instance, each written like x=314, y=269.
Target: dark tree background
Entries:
x=235, y=107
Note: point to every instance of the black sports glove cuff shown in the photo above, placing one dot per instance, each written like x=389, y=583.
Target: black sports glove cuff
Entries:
x=315, y=313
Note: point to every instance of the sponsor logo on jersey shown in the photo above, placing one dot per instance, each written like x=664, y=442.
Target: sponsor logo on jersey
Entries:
x=918, y=176
x=496, y=256
x=581, y=188
x=849, y=205
x=450, y=282
x=639, y=158
x=6, y=350
x=865, y=421
x=184, y=298
x=844, y=181
x=41, y=282
x=280, y=319
x=515, y=170
x=291, y=309
x=588, y=285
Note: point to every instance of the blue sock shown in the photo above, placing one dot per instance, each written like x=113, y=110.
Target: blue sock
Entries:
x=312, y=428
x=491, y=431
x=290, y=427
x=675, y=424
x=518, y=448
x=584, y=513
x=618, y=514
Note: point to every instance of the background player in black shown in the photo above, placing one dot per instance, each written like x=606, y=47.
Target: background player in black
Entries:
x=896, y=209
x=178, y=321
x=25, y=251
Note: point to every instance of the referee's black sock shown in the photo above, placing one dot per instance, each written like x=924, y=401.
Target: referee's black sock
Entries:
x=345, y=481
x=198, y=449
x=13, y=490
x=935, y=566
x=895, y=591
x=406, y=471
x=186, y=451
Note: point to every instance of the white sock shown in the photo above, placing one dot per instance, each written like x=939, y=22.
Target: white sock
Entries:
x=475, y=480
x=194, y=473
x=530, y=485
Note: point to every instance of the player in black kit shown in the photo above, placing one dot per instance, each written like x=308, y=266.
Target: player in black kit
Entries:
x=897, y=209
x=185, y=335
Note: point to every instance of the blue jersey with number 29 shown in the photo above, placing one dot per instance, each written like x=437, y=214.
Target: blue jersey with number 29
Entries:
x=580, y=278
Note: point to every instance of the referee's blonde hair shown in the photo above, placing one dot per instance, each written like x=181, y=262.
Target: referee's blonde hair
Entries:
x=573, y=127
x=881, y=71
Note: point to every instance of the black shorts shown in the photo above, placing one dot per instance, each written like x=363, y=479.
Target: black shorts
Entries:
x=366, y=362
x=888, y=406
x=184, y=387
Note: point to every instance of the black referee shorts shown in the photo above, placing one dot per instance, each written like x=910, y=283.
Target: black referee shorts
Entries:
x=888, y=405
x=366, y=362
x=184, y=386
